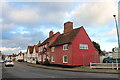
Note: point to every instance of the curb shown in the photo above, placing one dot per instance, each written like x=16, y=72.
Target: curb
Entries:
x=73, y=70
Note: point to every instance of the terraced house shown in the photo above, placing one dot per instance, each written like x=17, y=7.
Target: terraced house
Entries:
x=44, y=47
x=34, y=55
x=73, y=47
x=20, y=57
x=29, y=53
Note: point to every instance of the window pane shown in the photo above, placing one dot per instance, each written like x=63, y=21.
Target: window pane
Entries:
x=52, y=49
x=65, y=59
x=65, y=47
x=83, y=46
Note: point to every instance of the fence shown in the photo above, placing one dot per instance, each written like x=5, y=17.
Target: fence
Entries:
x=105, y=65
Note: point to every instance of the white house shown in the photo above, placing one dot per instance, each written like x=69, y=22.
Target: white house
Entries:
x=34, y=55
x=25, y=57
x=7, y=57
x=20, y=57
x=29, y=53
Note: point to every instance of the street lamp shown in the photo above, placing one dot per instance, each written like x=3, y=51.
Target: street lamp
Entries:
x=117, y=31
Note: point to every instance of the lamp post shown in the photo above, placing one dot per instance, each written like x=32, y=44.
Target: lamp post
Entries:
x=117, y=31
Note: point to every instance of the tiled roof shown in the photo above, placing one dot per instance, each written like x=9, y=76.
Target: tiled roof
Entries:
x=30, y=48
x=20, y=54
x=14, y=55
x=36, y=48
x=66, y=38
x=47, y=40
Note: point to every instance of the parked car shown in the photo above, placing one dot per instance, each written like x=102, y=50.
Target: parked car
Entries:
x=110, y=60
x=9, y=63
x=1, y=61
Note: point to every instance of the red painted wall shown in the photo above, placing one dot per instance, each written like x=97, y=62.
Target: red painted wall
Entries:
x=46, y=45
x=59, y=53
x=76, y=56
x=83, y=56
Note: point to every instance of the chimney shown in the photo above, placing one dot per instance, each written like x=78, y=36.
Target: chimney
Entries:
x=51, y=33
x=68, y=26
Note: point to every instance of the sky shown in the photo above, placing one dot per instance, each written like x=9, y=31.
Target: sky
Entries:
x=24, y=23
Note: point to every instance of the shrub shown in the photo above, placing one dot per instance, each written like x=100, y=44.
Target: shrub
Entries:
x=46, y=62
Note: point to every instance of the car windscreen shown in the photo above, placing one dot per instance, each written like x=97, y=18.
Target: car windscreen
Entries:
x=8, y=61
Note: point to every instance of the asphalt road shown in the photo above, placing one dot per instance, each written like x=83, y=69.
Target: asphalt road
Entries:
x=0, y=71
x=24, y=71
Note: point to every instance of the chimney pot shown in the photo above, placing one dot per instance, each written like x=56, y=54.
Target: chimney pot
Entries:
x=68, y=26
x=51, y=33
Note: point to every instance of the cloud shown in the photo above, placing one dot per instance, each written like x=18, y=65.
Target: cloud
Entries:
x=24, y=16
x=9, y=49
x=112, y=32
x=8, y=27
x=94, y=13
x=24, y=23
x=38, y=14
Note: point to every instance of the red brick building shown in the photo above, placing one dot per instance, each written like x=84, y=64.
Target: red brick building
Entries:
x=73, y=47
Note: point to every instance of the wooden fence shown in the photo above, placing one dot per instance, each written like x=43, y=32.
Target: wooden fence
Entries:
x=105, y=65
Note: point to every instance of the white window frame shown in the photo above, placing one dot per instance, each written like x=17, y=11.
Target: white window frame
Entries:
x=64, y=59
x=53, y=59
x=53, y=49
x=44, y=57
x=65, y=47
x=83, y=46
x=40, y=58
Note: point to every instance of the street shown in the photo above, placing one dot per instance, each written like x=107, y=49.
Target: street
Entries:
x=24, y=71
x=0, y=70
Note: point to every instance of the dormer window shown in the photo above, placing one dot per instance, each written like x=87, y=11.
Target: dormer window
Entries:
x=53, y=49
x=65, y=47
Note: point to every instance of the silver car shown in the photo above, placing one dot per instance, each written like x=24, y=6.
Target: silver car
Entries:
x=9, y=63
x=1, y=61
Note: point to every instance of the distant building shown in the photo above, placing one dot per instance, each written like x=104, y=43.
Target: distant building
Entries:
x=34, y=55
x=25, y=57
x=29, y=53
x=20, y=57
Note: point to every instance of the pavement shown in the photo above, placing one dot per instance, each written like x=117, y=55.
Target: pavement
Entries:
x=76, y=69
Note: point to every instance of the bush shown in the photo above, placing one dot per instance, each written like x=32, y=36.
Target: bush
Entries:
x=20, y=60
x=46, y=62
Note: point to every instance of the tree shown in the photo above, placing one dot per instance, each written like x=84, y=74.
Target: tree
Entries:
x=97, y=46
x=3, y=57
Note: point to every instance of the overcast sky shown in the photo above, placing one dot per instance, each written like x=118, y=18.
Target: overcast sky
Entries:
x=25, y=23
